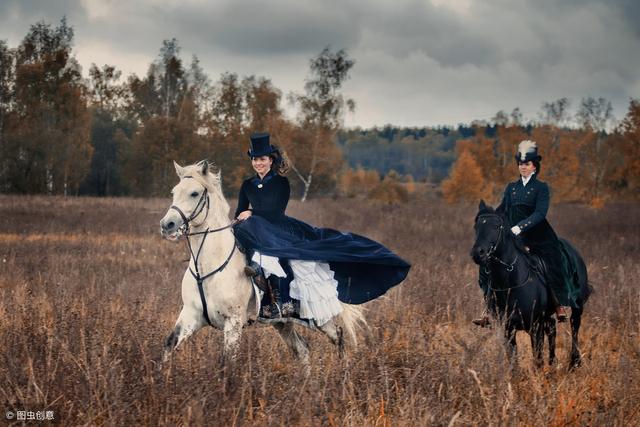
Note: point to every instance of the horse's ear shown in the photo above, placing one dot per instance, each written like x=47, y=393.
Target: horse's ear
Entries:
x=482, y=206
x=203, y=167
x=179, y=169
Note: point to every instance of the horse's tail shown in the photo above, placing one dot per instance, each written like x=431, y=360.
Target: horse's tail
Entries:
x=353, y=320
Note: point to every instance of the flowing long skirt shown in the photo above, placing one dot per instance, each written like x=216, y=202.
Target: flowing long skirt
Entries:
x=363, y=269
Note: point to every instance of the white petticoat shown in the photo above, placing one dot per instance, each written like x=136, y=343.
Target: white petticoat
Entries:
x=313, y=285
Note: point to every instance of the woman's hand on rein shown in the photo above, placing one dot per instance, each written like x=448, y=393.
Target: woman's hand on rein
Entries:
x=244, y=215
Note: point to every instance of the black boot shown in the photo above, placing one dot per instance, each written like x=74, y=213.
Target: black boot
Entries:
x=254, y=271
x=271, y=308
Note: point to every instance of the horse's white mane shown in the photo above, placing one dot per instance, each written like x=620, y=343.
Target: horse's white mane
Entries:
x=526, y=146
x=203, y=173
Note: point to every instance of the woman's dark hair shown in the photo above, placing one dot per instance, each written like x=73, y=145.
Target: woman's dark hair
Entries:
x=280, y=161
x=536, y=163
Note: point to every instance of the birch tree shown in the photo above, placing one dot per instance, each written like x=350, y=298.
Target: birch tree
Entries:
x=596, y=116
x=322, y=109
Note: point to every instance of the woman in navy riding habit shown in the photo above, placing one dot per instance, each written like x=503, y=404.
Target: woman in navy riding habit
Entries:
x=318, y=267
x=525, y=203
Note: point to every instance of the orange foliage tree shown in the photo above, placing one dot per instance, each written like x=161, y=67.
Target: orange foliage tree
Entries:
x=630, y=148
x=359, y=182
x=560, y=164
x=390, y=191
x=466, y=181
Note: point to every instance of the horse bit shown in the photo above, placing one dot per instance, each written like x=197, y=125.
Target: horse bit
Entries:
x=184, y=229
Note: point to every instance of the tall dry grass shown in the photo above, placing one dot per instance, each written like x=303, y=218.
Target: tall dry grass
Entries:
x=88, y=291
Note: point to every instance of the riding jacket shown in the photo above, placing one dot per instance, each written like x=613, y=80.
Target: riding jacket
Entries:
x=268, y=196
x=526, y=206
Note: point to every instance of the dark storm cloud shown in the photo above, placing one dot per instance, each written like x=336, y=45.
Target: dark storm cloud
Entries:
x=406, y=28
x=240, y=27
x=416, y=60
x=257, y=27
x=16, y=16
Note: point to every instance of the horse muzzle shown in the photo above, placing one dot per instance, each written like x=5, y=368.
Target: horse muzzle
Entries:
x=479, y=255
x=170, y=227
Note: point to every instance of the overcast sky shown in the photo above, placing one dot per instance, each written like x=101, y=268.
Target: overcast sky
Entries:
x=421, y=62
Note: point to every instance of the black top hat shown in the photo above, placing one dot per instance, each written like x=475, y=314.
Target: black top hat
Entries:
x=260, y=145
x=528, y=152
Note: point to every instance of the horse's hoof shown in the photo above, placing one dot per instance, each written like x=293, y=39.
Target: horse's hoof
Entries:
x=575, y=364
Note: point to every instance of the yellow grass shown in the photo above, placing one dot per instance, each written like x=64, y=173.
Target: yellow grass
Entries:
x=89, y=290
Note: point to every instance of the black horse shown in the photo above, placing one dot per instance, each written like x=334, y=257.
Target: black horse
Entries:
x=517, y=293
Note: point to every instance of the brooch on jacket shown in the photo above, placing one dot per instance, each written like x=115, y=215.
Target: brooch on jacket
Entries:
x=260, y=182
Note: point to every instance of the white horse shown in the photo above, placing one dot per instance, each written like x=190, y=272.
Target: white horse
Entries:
x=223, y=296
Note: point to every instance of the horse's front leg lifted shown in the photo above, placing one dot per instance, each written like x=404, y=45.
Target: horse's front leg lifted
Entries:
x=232, y=332
x=188, y=322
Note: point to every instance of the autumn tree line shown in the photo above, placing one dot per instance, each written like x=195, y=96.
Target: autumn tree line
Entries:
x=101, y=134
x=62, y=132
x=587, y=157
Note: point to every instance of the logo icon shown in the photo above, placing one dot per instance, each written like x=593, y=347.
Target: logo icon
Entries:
x=10, y=415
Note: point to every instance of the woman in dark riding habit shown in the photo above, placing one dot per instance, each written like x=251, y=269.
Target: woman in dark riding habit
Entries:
x=525, y=203
x=318, y=267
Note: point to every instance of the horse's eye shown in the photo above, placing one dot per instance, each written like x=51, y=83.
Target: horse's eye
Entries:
x=194, y=194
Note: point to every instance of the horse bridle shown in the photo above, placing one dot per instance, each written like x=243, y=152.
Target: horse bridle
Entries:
x=202, y=202
x=490, y=256
x=184, y=228
x=494, y=247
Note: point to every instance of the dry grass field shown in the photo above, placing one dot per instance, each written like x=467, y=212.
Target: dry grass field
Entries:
x=89, y=290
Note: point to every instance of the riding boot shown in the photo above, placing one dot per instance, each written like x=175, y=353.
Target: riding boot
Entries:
x=254, y=271
x=286, y=302
x=274, y=307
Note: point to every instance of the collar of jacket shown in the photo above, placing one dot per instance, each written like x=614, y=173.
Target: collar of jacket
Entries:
x=257, y=181
x=532, y=177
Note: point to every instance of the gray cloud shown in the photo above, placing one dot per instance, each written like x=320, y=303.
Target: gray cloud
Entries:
x=417, y=62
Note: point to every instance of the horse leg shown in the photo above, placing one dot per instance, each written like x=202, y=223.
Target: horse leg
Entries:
x=510, y=340
x=576, y=318
x=537, y=344
x=335, y=334
x=295, y=342
x=188, y=322
x=550, y=330
x=232, y=331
